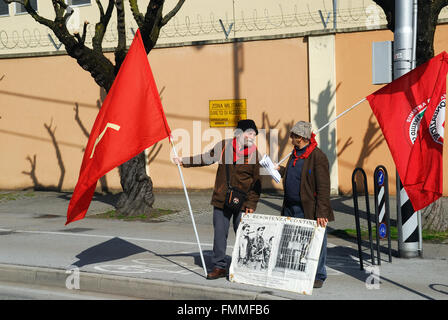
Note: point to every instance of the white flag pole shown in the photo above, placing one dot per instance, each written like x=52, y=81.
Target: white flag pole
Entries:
x=189, y=208
x=326, y=125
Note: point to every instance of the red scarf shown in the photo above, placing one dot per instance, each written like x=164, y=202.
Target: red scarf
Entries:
x=237, y=153
x=310, y=147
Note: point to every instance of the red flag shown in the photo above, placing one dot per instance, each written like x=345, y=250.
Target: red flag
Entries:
x=411, y=114
x=130, y=120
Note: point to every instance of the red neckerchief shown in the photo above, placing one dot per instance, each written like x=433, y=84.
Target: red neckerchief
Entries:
x=237, y=153
x=310, y=147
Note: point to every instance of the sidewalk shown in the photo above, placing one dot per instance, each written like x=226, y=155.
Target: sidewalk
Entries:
x=160, y=259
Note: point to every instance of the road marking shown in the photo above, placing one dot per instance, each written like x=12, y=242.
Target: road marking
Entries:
x=104, y=237
x=140, y=266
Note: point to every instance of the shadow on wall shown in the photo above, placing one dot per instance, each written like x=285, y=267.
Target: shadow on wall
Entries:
x=33, y=163
x=99, y=103
x=328, y=143
x=372, y=140
x=327, y=137
x=238, y=67
x=52, y=132
x=151, y=155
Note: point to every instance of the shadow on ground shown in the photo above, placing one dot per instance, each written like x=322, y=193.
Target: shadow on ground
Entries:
x=108, y=198
x=113, y=249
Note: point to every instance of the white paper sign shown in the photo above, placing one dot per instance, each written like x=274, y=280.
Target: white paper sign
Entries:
x=268, y=165
x=276, y=252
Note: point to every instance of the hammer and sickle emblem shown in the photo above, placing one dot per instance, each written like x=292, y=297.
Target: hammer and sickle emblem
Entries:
x=108, y=125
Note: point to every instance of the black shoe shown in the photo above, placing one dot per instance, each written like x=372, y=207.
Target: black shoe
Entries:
x=318, y=284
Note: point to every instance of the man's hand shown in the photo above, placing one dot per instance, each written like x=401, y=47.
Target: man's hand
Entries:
x=276, y=166
x=177, y=160
x=249, y=210
x=322, y=222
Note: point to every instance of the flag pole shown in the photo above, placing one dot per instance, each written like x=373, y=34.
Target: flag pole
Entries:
x=189, y=208
x=326, y=125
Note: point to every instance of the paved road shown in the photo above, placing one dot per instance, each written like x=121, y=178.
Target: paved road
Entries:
x=18, y=291
x=164, y=253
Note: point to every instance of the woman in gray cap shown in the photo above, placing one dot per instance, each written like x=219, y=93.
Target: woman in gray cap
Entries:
x=306, y=184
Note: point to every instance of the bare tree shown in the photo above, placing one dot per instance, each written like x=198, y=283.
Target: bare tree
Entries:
x=137, y=196
x=435, y=216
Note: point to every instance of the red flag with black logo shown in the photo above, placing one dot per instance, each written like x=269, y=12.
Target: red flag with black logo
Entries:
x=411, y=114
x=130, y=120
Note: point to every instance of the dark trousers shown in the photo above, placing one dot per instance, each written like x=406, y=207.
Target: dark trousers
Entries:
x=296, y=211
x=221, y=224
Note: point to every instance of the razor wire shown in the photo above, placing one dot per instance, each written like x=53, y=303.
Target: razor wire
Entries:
x=187, y=28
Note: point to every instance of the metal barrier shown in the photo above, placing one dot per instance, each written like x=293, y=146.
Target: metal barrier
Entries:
x=358, y=225
x=382, y=212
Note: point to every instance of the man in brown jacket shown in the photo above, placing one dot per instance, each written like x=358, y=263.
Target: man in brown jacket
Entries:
x=306, y=183
x=242, y=159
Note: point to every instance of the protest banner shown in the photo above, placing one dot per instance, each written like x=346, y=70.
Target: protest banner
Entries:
x=276, y=252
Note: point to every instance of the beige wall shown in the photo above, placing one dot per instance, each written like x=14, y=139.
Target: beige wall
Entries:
x=360, y=142
x=322, y=84
x=43, y=91
x=271, y=75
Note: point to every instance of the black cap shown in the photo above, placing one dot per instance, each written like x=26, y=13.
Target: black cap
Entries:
x=247, y=124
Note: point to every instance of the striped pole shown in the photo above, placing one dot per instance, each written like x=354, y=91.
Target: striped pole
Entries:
x=382, y=212
x=407, y=222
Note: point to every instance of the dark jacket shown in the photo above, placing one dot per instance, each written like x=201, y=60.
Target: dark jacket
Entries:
x=244, y=176
x=314, y=186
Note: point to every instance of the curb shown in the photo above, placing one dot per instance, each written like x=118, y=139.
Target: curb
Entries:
x=124, y=286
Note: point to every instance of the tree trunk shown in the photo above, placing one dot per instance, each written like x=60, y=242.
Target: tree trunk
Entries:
x=434, y=217
x=137, y=197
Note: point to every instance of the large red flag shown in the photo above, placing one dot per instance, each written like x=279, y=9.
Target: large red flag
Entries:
x=411, y=114
x=130, y=120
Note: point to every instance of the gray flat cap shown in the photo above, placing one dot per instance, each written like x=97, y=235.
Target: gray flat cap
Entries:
x=303, y=129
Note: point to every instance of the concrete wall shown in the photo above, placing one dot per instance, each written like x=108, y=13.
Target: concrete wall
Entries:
x=360, y=142
x=271, y=75
x=198, y=20
x=322, y=83
x=283, y=81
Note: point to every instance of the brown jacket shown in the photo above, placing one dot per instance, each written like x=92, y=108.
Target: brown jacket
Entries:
x=314, y=186
x=245, y=177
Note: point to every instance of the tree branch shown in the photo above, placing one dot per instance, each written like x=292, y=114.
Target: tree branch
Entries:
x=120, y=51
x=138, y=17
x=100, y=68
x=33, y=13
x=101, y=26
x=59, y=8
x=82, y=39
x=150, y=29
x=100, y=7
x=172, y=13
